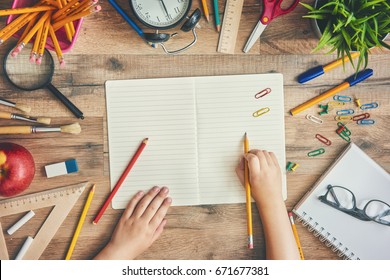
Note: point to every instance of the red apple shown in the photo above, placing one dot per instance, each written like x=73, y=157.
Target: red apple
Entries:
x=17, y=169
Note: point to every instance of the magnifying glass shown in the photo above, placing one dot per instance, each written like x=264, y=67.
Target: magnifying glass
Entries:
x=30, y=76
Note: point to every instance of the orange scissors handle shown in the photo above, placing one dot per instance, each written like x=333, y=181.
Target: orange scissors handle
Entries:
x=273, y=9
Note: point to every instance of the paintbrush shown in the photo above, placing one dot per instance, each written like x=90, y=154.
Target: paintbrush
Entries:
x=18, y=106
x=12, y=116
x=70, y=128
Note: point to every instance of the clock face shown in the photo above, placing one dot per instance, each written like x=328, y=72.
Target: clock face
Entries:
x=160, y=14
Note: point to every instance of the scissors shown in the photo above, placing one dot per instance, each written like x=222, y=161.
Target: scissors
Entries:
x=271, y=10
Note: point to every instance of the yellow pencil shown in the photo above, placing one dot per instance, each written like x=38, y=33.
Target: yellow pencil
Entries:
x=80, y=223
x=248, y=196
x=57, y=46
x=17, y=11
x=57, y=25
x=206, y=10
x=294, y=228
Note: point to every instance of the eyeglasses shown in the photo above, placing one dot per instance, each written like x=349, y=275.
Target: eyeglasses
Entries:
x=344, y=200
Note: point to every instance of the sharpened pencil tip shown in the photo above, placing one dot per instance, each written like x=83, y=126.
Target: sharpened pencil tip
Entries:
x=145, y=140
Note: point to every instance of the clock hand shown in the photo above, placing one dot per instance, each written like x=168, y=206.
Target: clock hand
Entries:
x=165, y=8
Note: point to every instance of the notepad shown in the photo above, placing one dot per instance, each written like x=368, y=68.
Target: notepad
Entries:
x=196, y=128
x=353, y=238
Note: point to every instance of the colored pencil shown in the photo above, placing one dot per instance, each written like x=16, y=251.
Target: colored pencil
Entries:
x=216, y=13
x=248, y=196
x=206, y=10
x=80, y=223
x=294, y=229
x=120, y=181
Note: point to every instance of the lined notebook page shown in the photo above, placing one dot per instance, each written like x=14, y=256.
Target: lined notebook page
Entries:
x=224, y=113
x=195, y=128
x=164, y=111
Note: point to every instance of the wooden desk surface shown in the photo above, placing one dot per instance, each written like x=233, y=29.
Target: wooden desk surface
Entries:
x=108, y=48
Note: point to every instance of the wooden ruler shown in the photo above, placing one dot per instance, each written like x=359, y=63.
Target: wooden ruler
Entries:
x=63, y=200
x=230, y=24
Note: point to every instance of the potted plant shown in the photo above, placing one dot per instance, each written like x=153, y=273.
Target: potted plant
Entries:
x=351, y=25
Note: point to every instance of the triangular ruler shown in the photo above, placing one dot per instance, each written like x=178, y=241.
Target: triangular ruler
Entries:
x=63, y=199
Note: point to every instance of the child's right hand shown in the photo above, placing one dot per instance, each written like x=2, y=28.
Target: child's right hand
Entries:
x=264, y=176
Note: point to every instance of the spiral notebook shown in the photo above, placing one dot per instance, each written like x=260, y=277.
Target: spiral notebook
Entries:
x=353, y=238
x=196, y=127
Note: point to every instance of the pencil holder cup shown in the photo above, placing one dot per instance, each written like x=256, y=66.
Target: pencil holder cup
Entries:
x=63, y=41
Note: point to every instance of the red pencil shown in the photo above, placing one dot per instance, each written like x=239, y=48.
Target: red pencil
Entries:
x=120, y=181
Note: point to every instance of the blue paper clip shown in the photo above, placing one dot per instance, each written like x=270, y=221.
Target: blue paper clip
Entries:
x=317, y=152
x=366, y=122
x=342, y=98
x=368, y=106
x=345, y=112
x=260, y=112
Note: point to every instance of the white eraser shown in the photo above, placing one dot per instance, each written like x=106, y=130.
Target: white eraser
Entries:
x=21, y=222
x=61, y=168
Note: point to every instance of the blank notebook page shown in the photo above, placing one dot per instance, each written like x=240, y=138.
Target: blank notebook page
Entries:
x=195, y=128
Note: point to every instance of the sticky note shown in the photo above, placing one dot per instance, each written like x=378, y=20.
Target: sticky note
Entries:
x=61, y=168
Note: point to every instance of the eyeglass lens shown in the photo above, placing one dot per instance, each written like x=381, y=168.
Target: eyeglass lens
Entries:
x=342, y=197
x=378, y=211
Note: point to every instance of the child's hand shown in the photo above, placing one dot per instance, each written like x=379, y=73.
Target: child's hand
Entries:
x=264, y=176
x=140, y=225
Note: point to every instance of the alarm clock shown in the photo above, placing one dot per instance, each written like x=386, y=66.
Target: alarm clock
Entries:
x=160, y=14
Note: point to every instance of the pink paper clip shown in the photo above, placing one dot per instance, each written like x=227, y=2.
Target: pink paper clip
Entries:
x=361, y=117
x=262, y=93
x=323, y=139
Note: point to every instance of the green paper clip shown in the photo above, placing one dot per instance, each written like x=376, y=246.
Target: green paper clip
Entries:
x=346, y=131
x=317, y=152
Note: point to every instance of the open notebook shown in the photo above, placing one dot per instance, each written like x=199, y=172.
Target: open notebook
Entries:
x=353, y=238
x=195, y=127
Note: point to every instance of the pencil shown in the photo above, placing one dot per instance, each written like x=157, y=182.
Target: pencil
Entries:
x=217, y=19
x=351, y=81
x=57, y=25
x=120, y=181
x=248, y=196
x=206, y=10
x=57, y=47
x=80, y=223
x=17, y=11
x=294, y=228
